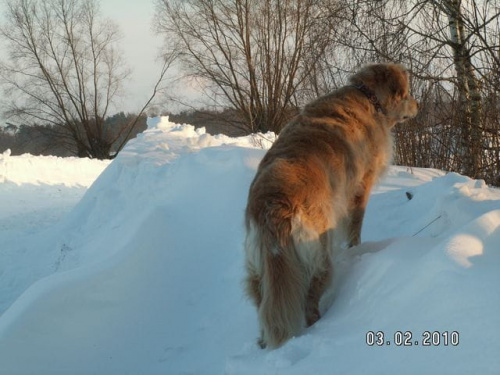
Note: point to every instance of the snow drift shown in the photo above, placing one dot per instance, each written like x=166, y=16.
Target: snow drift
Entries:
x=49, y=170
x=149, y=278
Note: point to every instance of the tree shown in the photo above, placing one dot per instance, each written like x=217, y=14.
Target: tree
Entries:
x=454, y=27
x=254, y=56
x=65, y=70
x=452, y=48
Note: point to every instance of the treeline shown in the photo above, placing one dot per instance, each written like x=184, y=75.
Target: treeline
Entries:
x=47, y=140
x=435, y=138
x=51, y=140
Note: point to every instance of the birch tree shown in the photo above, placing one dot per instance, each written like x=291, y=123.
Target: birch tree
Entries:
x=460, y=43
x=452, y=49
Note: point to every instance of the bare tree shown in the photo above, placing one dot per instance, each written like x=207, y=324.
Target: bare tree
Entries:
x=452, y=49
x=254, y=56
x=453, y=28
x=64, y=70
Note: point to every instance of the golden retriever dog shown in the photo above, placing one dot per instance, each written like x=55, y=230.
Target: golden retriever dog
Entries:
x=317, y=175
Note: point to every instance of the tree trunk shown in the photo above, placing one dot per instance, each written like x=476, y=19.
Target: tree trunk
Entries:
x=469, y=94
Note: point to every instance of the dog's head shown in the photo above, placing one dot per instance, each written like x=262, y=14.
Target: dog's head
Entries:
x=391, y=86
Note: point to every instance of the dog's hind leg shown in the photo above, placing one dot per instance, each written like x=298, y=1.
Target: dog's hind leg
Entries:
x=320, y=281
x=253, y=286
x=318, y=286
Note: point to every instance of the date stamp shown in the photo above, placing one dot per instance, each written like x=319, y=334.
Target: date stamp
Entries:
x=407, y=338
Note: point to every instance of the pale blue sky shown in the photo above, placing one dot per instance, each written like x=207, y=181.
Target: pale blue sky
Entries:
x=140, y=46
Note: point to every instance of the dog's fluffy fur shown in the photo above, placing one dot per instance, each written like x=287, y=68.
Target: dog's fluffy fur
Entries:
x=317, y=174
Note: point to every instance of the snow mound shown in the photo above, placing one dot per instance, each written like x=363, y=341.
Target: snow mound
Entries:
x=149, y=278
x=164, y=141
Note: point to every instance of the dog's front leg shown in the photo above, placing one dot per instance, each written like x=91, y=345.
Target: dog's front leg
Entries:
x=357, y=211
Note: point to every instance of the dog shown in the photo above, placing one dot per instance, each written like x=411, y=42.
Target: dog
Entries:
x=316, y=176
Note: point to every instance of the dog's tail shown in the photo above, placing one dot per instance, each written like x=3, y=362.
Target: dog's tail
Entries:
x=283, y=286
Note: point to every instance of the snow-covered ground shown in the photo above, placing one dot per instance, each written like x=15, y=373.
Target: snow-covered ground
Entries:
x=143, y=274
x=35, y=192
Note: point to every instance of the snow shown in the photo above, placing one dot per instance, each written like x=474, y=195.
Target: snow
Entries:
x=35, y=191
x=142, y=273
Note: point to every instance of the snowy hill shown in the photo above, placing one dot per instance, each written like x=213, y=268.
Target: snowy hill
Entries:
x=144, y=275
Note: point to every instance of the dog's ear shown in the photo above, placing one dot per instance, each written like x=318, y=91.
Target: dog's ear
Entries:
x=367, y=75
x=397, y=79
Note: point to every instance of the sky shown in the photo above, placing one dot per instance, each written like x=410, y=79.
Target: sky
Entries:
x=140, y=47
